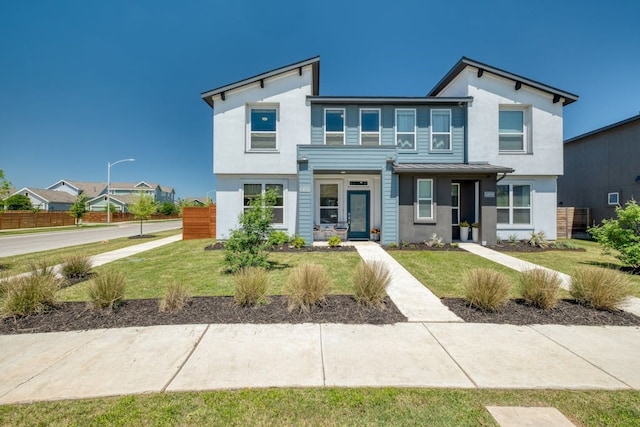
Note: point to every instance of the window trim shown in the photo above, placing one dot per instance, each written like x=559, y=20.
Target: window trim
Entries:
x=263, y=184
x=415, y=127
x=418, y=199
x=525, y=128
x=457, y=207
x=378, y=132
x=617, y=195
x=449, y=133
x=344, y=126
x=341, y=203
x=249, y=132
x=511, y=207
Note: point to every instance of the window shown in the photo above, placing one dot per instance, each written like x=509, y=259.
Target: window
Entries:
x=369, y=127
x=425, y=199
x=334, y=127
x=441, y=129
x=263, y=128
x=514, y=204
x=455, y=204
x=254, y=191
x=406, y=129
x=511, y=130
x=328, y=203
x=613, y=199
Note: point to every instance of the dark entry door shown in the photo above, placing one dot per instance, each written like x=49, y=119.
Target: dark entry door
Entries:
x=358, y=214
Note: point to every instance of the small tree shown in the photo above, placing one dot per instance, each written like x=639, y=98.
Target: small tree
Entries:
x=18, y=202
x=168, y=208
x=79, y=208
x=143, y=208
x=5, y=189
x=622, y=234
x=247, y=245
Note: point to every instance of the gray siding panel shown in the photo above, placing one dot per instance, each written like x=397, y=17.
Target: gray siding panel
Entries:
x=317, y=131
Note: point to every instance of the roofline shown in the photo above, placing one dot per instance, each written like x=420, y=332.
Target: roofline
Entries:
x=465, y=62
x=29, y=190
x=462, y=170
x=62, y=180
x=388, y=100
x=604, y=129
x=111, y=197
x=315, y=61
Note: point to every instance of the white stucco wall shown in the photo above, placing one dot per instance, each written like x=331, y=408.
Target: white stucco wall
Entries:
x=231, y=125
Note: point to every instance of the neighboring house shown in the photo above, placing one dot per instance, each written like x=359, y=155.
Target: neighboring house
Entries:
x=75, y=188
x=197, y=201
x=484, y=146
x=602, y=169
x=48, y=200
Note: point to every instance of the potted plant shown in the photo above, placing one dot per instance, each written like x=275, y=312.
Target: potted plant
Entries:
x=475, y=227
x=375, y=234
x=464, y=231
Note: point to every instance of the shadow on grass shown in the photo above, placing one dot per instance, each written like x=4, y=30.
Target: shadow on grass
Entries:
x=610, y=266
x=275, y=265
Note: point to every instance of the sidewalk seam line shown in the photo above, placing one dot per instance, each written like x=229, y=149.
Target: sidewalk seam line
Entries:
x=193, y=349
x=424, y=325
x=324, y=376
x=580, y=357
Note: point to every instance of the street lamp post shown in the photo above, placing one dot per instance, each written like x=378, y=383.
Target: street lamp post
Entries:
x=109, y=186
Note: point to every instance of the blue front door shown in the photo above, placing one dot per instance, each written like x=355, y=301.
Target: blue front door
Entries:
x=358, y=214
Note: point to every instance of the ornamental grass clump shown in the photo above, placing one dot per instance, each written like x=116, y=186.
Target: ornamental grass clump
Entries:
x=540, y=288
x=307, y=285
x=370, y=281
x=31, y=294
x=486, y=289
x=175, y=297
x=251, y=284
x=600, y=288
x=107, y=289
x=76, y=266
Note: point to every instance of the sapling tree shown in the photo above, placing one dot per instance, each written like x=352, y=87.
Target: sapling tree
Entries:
x=143, y=208
x=79, y=208
x=622, y=234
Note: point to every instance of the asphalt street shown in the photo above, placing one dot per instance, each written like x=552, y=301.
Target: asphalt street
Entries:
x=26, y=243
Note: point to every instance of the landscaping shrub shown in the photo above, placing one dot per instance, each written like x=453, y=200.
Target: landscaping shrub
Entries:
x=370, y=281
x=251, y=284
x=540, y=288
x=76, y=266
x=107, y=289
x=175, y=297
x=307, y=285
x=622, y=234
x=538, y=240
x=334, y=241
x=29, y=294
x=486, y=289
x=600, y=288
x=435, y=240
x=278, y=238
x=297, y=242
x=41, y=268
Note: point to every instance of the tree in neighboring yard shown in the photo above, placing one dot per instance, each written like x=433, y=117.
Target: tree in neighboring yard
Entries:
x=143, y=208
x=168, y=208
x=622, y=234
x=5, y=189
x=18, y=202
x=247, y=245
x=79, y=208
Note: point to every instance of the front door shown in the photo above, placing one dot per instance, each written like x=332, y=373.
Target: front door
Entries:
x=358, y=214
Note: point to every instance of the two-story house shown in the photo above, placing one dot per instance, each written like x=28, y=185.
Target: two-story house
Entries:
x=483, y=146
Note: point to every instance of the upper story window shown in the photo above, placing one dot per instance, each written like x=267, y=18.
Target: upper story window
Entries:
x=334, y=126
x=613, y=199
x=512, y=130
x=425, y=199
x=406, y=129
x=441, y=129
x=514, y=204
x=255, y=190
x=369, y=127
x=264, y=128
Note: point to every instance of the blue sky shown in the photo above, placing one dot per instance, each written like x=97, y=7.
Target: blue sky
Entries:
x=83, y=83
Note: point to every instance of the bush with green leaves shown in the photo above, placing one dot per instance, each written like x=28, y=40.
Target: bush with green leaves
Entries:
x=277, y=238
x=600, y=288
x=621, y=234
x=334, y=241
x=370, y=281
x=175, y=297
x=76, y=266
x=251, y=285
x=107, y=289
x=168, y=208
x=79, y=208
x=486, y=289
x=297, y=242
x=29, y=294
x=307, y=285
x=540, y=287
x=247, y=245
x=18, y=202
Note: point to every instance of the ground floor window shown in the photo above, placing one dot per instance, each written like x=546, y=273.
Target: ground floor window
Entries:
x=455, y=203
x=514, y=204
x=328, y=203
x=255, y=190
x=425, y=199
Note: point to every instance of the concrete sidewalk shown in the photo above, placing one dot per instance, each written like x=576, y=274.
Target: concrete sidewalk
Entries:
x=110, y=362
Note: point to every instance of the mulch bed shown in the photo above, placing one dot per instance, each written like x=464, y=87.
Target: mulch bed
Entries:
x=526, y=247
x=71, y=316
x=421, y=247
x=517, y=312
x=286, y=248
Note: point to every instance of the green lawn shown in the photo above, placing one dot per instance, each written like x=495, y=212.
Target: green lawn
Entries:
x=326, y=407
x=20, y=263
x=149, y=273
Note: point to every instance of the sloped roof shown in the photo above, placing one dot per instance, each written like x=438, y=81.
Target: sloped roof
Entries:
x=50, y=196
x=465, y=62
x=603, y=129
x=126, y=199
x=90, y=189
x=134, y=185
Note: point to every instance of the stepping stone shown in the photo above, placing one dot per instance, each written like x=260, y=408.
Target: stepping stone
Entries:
x=519, y=416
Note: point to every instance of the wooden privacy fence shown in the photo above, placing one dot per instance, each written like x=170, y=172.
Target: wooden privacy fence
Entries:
x=199, y=222
x=573, y=221
x=22, y=219
x=120, y=217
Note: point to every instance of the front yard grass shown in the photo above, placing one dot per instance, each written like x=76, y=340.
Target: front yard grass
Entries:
x=326, y=406
x=149, y=273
